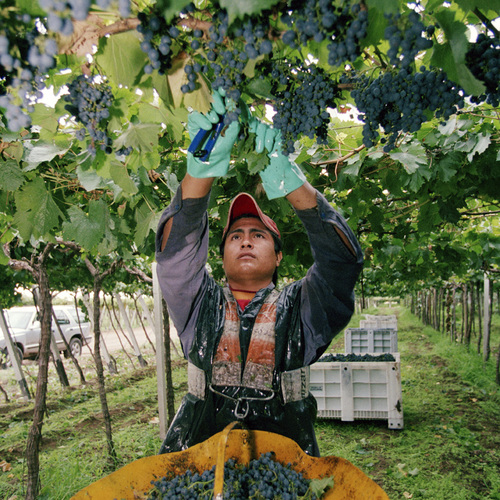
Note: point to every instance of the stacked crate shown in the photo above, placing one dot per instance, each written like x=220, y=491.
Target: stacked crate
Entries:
x=362, y=390
x=376, y=334
x=371, y=321
x=370, y=340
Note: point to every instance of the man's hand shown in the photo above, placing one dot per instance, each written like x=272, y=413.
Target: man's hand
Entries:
x=281, y=176
x=217, y=163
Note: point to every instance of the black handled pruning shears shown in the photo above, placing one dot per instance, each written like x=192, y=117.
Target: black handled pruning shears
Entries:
x=204, y=141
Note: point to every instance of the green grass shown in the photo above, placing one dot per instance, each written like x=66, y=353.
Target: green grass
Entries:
x=448, y=448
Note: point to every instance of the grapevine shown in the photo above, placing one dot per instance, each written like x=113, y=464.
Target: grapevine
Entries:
x=60, y=14
x=320, y=20
x=483, y=58
x=25, y=57
x=303, y=95
x=222, y=52
x=397, y=102
x=89, y=101
x=406, y=40
x=235, y=54
x=262, y=478
x=157, y=41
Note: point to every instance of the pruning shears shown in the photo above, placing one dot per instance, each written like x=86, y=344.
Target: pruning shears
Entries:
x=203, y=143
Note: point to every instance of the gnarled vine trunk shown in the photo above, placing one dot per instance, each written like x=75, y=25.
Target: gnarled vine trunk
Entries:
x=35, y=433
x=98, y=278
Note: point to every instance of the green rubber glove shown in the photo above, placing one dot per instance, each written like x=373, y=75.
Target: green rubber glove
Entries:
x=217, y=164
x=281, y=176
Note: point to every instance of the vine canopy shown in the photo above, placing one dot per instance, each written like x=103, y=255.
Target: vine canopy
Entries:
x=391, y=109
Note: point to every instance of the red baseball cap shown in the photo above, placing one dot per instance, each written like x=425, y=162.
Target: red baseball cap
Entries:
x=244, y=204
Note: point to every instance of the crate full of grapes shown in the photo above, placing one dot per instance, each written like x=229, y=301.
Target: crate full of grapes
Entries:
x=358, y=387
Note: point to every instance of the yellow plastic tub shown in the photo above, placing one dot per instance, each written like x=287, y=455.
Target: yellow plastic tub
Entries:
x=134, y=480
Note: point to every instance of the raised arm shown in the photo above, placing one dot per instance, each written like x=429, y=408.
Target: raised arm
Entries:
x=182, y=237
x=283, y=177
x=191, y=187
x=201, y=173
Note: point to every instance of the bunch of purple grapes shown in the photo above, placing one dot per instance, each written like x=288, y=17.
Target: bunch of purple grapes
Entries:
x=483, y=59
x=89, y=102
x=397, y=101
x=302, y=99
x=26, y=55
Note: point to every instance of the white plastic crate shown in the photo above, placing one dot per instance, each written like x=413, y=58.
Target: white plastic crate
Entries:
x=358, y=390
x=374, y=321
x=370, y=340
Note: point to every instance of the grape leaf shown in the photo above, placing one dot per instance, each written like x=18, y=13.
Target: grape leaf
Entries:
x=260, y=88
x=31, y=8
x=171, y=8
x=412, y=157
x=482, y=142
x=37, y=213
x=162, y=86
x=89, y=179
x=45, y=117
x=447, y=167
x=418, y=178
x=120, y=176
x=386, y=6
x=173, y=118
x=240, y=8
x=141, y=136
x=147, y=220
x=468, y=81
x=256, y=162
x=377, y=23
x=353, y=168
x=450, y=56
x=44, y=152
x=11, y=176
x=86, y=230
x=428, y=217
x=471, y=5
x=13, y=150
x=320, y=486
x=121, y=57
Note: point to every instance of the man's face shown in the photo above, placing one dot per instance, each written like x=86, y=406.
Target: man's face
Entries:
x=249, y=257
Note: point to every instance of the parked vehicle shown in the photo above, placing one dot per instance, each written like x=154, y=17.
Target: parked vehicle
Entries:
x=24, y=327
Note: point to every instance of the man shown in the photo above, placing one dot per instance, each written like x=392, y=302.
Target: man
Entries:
x=248, y=344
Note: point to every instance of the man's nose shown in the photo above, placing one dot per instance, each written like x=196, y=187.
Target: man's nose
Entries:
x=246, y=242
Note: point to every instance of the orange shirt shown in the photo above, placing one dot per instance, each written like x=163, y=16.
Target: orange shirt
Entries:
x=243, y=297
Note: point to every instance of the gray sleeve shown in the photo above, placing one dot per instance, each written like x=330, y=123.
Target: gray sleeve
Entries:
x=327, y=297
x=181, y=265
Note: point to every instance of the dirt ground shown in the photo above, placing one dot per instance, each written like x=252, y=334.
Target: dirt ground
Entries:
x=115, y=344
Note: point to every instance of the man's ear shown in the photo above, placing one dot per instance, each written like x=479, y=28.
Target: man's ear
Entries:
x=279, y=257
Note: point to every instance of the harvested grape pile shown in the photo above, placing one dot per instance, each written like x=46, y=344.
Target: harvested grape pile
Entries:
x=357, y=357
x=262, y=478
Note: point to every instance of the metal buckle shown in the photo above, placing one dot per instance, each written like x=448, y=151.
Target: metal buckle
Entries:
x=243, y=415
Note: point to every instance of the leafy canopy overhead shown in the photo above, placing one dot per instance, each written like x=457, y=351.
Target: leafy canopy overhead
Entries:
x=390, y=108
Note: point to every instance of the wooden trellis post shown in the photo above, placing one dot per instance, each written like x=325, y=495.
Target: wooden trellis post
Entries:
x=103, y=348
x=130, y=330
x=56, y=356
x=16, y=362
x=486, y=319
x=161, y=377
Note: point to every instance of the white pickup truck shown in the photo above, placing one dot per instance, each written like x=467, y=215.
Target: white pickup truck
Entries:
x=24, y=327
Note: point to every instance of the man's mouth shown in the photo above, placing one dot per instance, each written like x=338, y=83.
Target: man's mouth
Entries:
x=246, y=255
